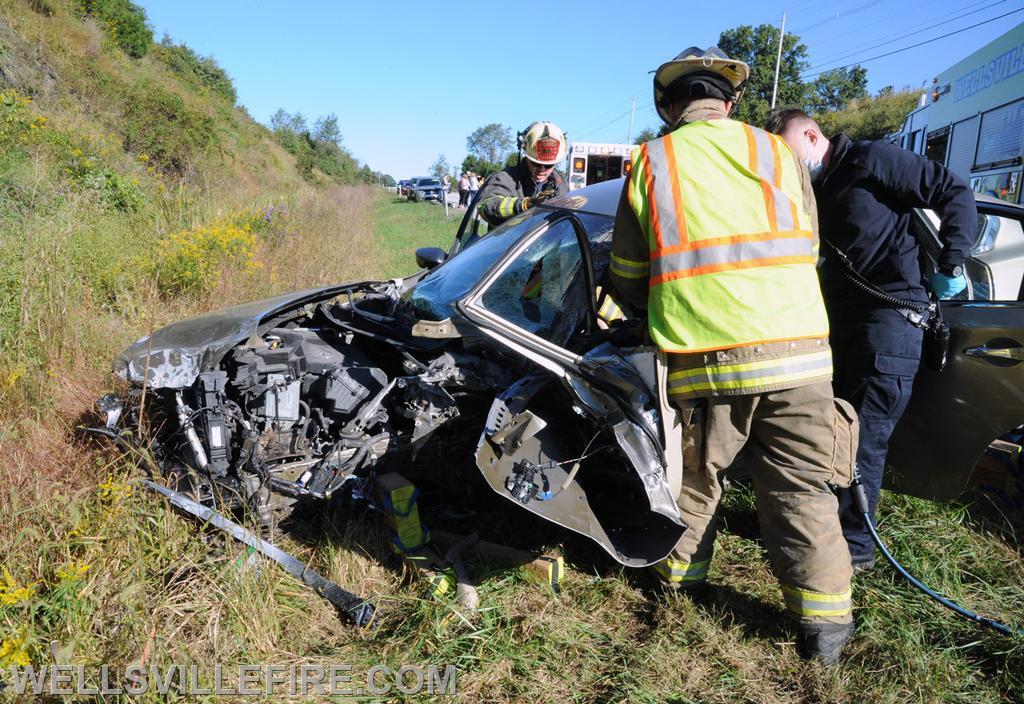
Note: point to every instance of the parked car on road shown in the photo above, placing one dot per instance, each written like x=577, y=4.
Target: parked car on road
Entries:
x=403, y=187
x=426, y=188
x=489, y=368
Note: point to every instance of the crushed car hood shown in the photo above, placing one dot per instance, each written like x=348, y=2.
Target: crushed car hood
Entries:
x=173, y=357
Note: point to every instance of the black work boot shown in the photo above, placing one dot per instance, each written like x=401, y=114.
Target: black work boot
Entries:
x=824, y=641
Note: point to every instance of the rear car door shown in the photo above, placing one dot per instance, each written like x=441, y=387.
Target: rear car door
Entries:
x=956, y=413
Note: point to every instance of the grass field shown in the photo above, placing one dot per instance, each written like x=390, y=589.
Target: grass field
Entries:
x=98, y=246
x=402, y=226
x=108, y=574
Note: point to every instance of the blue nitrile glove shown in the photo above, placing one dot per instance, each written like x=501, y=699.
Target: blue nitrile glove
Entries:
x=945, y=286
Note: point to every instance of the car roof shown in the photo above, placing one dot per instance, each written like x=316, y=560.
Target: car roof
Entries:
x=601, y=198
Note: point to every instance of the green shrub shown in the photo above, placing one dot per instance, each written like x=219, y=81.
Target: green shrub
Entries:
x=203, y=72
x=116, y=191
x=124, y=21
x=159, y=124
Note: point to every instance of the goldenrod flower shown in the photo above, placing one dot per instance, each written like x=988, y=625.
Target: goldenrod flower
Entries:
x=14, y=650
x=11, y=594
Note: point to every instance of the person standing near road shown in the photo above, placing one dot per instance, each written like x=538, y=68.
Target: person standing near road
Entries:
x=463, y=190
x=474, y=186
x=866, y=191
x=532, y=181
x=715, y=238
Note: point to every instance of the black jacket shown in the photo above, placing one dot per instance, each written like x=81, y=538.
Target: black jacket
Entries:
x=865, y=198
x=502, y=194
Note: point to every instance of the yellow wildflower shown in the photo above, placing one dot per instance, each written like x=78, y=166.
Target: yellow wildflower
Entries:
x=11, y=594
x=74, y=571
x=112, y=491
x=14, y=650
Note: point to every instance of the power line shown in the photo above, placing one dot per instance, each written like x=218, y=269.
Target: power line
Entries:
x=838, y=15
x=612, y=122
x=908, y=34
x=913, y=46
x=913, y=8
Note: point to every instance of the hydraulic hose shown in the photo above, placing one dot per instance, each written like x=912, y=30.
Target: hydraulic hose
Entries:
x=860, y=498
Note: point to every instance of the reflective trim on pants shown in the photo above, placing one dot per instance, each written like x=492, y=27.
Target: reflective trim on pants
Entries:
x=674, y=571
x=804, y=367
x=805, y=603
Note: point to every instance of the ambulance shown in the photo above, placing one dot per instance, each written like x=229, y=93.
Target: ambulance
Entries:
x=594, y=162
x=972, y=119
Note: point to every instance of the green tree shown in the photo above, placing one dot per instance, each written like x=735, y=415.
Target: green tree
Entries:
x=869, y=118
x=833, y=90
x=480, y=166
x=326, y=129
x=645, y=135
x=440, y=166
x=490, y=143
x=757, y=46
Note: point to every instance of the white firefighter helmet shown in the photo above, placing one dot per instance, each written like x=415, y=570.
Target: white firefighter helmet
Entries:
x=543, y=143
x=698, y=72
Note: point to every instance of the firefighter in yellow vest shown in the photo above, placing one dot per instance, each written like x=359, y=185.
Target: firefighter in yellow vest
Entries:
x=716, y=238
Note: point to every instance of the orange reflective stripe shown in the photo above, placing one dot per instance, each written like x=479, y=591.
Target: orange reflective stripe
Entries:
x=665, y=192
x=677, y=192
x=776, y=162
x=652, y=203
x=765, y=157
x=714, y=268
x=732, y=239
x=751, y=148
x=693, y=262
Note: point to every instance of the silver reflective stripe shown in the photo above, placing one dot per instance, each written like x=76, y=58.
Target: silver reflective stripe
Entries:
x=766, y=170
x=729, y=254
x=657, y=162
x=822, y=362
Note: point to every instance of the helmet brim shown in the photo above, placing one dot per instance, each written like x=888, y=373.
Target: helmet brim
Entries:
x=736, y=72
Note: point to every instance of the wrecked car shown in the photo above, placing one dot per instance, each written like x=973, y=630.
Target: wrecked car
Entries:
x=493, y=357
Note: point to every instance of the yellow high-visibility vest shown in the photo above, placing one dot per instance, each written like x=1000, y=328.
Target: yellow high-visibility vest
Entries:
x=732, y=252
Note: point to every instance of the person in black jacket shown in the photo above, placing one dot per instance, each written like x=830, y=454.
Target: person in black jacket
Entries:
x=865, y=193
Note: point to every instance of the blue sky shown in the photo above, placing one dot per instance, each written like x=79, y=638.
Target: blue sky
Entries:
x=410, y=80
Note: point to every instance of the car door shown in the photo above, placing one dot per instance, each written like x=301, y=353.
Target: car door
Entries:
x=537, y=299
x=955, y=414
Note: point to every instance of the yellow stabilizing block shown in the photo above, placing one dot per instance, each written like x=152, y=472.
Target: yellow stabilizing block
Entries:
x=396, y=499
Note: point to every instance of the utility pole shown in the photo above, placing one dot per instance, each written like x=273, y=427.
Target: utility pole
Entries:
x=778, y=60
x=632, y=109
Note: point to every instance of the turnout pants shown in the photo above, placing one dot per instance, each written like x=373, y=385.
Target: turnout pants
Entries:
x=798, y=442
x=875, y=353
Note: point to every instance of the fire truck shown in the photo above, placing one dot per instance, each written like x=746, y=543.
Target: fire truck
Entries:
x=594, y=162
x=972, y=119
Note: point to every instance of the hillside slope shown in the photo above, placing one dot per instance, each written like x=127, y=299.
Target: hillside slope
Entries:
x=132, y=188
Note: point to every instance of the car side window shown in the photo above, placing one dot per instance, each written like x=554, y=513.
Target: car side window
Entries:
x=540, y=290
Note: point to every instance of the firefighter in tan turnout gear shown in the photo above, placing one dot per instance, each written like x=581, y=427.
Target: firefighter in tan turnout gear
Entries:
x=716, y=238
x=532, y=181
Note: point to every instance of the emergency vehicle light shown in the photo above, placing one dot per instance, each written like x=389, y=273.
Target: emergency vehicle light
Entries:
x=627, y=166
x=579, y=164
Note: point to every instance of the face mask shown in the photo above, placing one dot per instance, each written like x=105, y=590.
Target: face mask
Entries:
x=814, y=166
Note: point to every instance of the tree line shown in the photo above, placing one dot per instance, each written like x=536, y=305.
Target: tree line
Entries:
x=318, y=153
x=838, y=98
